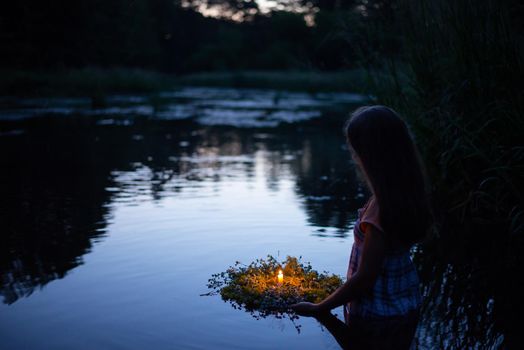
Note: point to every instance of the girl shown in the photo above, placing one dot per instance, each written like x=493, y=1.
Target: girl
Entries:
x=381, y=296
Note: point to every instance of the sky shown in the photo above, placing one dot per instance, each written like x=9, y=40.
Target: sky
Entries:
x=265, y=6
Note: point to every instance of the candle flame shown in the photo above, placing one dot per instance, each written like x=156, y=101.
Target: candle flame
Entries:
x=280, y=276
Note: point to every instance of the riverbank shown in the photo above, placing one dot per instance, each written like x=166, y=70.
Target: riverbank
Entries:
x=355, y=80
x=100, y=82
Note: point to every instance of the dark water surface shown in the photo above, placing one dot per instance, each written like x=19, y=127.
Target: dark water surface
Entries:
x=114, y=218
x=115, y=215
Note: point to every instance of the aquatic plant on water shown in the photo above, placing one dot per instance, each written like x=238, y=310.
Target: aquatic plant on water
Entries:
x=257, y=288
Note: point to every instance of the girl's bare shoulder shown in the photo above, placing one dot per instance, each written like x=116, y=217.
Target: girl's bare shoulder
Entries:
x=371, y=215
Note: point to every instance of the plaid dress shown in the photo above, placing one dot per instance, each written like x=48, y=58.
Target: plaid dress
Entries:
x=396, y=291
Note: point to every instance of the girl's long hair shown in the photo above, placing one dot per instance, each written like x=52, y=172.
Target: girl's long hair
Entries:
x=394, y=170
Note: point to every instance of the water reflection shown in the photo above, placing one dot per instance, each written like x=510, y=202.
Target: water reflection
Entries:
x=53, y=208
x=63, y=175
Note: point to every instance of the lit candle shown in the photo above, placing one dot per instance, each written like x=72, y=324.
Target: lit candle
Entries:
x=280, y=276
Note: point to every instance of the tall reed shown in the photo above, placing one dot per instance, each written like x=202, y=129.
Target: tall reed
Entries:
x=464, y=98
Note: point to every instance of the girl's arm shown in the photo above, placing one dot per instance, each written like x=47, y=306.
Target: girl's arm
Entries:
x=362, y=281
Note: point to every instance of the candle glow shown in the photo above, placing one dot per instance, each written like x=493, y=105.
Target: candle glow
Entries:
x=280, y=276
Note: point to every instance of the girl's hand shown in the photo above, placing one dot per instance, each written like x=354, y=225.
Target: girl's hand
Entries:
x=306, y=309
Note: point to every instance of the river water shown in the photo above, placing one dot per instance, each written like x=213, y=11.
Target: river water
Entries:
x=116, y=212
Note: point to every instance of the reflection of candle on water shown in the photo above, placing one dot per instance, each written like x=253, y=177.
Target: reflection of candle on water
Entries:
x=280, y=276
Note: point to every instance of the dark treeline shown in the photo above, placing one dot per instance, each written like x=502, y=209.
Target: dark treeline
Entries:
x=171, y=36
